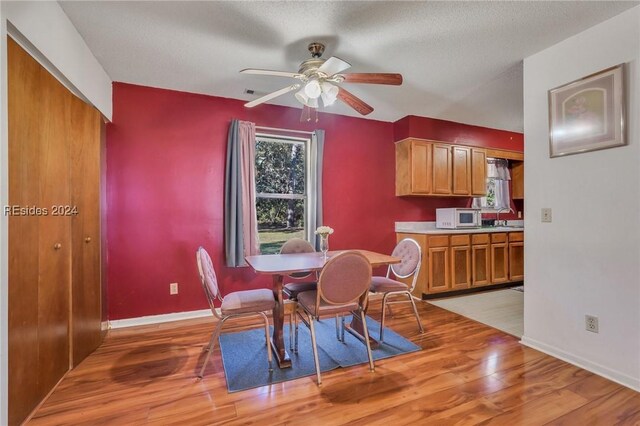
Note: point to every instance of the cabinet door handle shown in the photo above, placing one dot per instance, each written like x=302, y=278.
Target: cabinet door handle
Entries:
x=57, y=246
x=87, y=240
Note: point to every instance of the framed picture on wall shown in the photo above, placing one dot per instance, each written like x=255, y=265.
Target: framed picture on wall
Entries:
x=587, y=114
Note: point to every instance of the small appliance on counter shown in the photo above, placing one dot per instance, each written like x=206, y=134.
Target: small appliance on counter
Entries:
x=457, y=218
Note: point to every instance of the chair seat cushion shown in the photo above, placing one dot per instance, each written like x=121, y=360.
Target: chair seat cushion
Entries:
x=246, y=301
x=292, y=289
x=385, y=285
x=307, y=300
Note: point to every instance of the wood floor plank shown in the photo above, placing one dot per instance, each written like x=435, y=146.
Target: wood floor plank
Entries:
x=621, y=407
x=467, y=373
x=540, y=410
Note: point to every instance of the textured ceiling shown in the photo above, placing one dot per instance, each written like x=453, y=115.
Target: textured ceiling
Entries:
x=461, y=61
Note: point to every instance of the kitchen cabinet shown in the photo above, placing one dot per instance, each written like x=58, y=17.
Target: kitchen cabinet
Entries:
x=460, y=262
x=480, y=260
x=442, y=169
x=432, y=168
x=517, y=180
x=516, y=256
x=438, y=264
x=499, y=258
x=461, y=167
x=478, y=172
x=414, y=170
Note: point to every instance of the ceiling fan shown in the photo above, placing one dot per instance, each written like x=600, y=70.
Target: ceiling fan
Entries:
x=320, y=79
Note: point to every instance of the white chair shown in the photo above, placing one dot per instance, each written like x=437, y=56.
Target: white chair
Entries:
x=233, y=305
x=408, y=250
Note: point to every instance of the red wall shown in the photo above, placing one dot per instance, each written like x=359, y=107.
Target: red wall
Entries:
x=165, y=182
x=463, y=134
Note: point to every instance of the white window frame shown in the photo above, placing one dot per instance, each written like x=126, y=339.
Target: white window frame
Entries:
x=306, y=195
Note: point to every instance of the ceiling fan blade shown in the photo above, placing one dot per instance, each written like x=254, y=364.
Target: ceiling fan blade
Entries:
x=271, y=72
x=373, y=78
x=354, y=102
x=333, y=65
x=271, y=95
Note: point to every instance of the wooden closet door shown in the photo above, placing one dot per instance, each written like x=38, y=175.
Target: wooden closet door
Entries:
x=24, y=127
x=39, y=246
x=86, y=309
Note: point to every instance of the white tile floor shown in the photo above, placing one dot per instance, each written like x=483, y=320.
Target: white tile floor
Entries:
x=501, y=309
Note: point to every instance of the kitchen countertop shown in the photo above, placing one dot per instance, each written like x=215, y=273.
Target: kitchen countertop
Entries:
x=430, y=228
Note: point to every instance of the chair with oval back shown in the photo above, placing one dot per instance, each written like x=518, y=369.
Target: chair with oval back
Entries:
x=237, y=304
x=342, y=288
x=408, y=250
x=292, y=289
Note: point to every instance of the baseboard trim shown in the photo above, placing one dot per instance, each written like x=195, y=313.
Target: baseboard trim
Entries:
x=600, y=370
x=157, y=319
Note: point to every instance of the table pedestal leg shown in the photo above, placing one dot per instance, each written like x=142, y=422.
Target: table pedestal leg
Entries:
x=277, y=340
x=356, y=327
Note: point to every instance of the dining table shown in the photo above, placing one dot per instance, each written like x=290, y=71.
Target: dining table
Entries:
x=281, y=265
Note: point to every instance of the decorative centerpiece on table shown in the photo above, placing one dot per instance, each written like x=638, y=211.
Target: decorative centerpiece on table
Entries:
x=324, y=232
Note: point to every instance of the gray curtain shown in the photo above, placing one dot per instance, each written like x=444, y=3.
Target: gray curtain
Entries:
x=316, y=151
x=240, y=225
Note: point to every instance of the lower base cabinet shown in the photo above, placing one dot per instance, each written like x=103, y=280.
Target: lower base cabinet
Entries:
x=481, y=264
x=438, y=264
x=516, y=261
x=461, y=261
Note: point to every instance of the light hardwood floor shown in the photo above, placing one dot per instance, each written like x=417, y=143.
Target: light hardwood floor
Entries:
x=467, y=373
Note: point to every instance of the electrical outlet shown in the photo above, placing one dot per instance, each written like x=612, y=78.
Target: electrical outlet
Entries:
x=173, y=288
x=546, y=215
x=591, y=323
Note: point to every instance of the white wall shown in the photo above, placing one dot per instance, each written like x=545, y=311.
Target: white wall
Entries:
x=47, y=33
x=587, y=261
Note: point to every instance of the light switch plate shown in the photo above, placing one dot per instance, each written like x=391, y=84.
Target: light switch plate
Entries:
x=546, y=215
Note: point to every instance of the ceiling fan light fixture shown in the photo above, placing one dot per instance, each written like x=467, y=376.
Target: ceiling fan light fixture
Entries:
x=330, y=89
x=302, y=97
x=312, y=89
x=329, y=93
x=328, y=100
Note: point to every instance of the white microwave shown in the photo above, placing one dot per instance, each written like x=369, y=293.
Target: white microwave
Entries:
x=455, y=218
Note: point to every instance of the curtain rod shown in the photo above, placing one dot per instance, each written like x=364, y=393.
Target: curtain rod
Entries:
x=283, y=130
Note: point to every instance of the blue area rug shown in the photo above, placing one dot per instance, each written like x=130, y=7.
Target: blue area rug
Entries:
x=244, y=354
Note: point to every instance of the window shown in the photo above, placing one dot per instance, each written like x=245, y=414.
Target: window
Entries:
x=498, y=195
x=281, y=190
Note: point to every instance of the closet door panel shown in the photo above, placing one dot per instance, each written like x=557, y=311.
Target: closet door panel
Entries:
x=55, y=235
x=24, y=127
x=86, y=314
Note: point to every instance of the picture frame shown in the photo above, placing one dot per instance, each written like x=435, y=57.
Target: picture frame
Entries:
x=588, y=114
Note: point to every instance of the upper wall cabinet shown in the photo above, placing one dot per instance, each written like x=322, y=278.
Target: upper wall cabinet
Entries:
x=431, y=168
x=517, y=180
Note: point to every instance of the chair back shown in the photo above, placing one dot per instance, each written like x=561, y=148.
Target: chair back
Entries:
x=297, y=245
x=408, y=250
x=344, y=279
x=208, y=277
